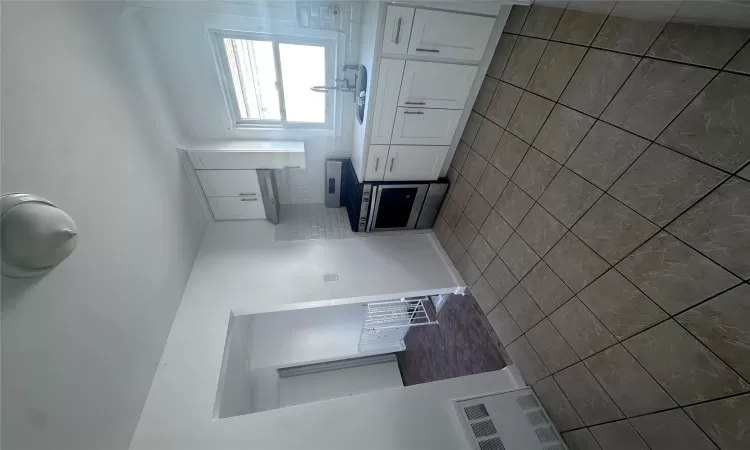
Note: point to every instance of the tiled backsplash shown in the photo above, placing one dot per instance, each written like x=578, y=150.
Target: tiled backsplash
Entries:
x=304, y=186
x=600, y=213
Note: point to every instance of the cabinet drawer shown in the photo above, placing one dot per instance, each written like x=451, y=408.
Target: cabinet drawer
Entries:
x=415, y=162
x=376, y=162
x=449, y=35
x=425, y=126
x=229, y=183
x=398, y=20
x=436, y=85
x=207, y=159
x=237, y=208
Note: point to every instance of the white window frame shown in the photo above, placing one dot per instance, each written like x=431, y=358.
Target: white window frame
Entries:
x=262, y=31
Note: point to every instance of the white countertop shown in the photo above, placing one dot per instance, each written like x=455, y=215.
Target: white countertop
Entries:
x=241, y=270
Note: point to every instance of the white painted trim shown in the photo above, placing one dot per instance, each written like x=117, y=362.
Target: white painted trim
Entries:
x=335, y=43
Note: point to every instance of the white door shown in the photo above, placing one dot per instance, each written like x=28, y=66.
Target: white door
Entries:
x=386, y=100
x=436, y=85
x=229, y=183
x=417, y=126
x=376, y=161
x=415, y=162
x=398, y=21
x=449, y=35
x=237, y=208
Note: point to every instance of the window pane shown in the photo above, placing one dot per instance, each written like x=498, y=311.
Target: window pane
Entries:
x=303, y=66
x=253, y=72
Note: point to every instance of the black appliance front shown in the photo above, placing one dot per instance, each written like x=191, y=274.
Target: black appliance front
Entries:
x=396, y=206
x=389, y=205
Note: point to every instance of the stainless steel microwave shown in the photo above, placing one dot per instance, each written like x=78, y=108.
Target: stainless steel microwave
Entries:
x=384, y=205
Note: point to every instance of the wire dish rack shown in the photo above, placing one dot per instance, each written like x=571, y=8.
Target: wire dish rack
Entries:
x=387, y=322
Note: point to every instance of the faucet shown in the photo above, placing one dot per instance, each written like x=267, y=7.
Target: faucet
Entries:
x=340, y=84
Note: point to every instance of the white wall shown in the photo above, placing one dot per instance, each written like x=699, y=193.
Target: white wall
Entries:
x=80, y=346
x=234, y=393
x=314, y=387
x=241, y=268
x=286, y=338
x=176, y=36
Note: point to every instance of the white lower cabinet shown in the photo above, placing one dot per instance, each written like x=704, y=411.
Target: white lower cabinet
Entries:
x=414, y=162
x=232, y=194
x=376, y=162
x=237, y=208
x=418, y=126
x=436, y=85
x=229, y=183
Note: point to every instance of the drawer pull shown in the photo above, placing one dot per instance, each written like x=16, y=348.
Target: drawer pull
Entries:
x=428, y=50
x=291, y=167
x=392, y=160
x=246, y=193
x=414, y=103
x=398, y=30
x=248, y=199
x=377, y=163
x=413, y=112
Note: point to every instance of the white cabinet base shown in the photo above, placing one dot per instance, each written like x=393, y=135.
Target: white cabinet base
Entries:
x=414, y=162
x=229, y=183
x=237, y=208
x=416, y=126
x=436, y=85
x=449, y=35
x=376, y=162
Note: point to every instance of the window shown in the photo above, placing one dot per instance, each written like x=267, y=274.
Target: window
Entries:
x=268, y=79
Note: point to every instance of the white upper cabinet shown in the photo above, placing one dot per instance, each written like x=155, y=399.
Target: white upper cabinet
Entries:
x=415, y=126
x=449, y=35
x=376, y=162
x=386, y=99
x=398, y=20
x=414, y=162
x=436, y=85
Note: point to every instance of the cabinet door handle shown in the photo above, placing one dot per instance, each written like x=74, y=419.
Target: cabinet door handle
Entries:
x=246, y=193
x=428, y=50
x=392, y=160
x=414, y=103
x=413, y=112
x=377, y=163
x=245, y=199
x=398, y=30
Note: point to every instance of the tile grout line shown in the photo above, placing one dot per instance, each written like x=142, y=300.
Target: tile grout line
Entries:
x=505, y=128
x=606, y=191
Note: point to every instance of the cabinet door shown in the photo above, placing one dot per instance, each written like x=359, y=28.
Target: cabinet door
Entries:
x=436, y=85
x=237, y=208
x=398, y=20
x=425, y=126
x=449, y=35
x=229, y=183
x=386, y=100
x=415, y=162
x=376, y=161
